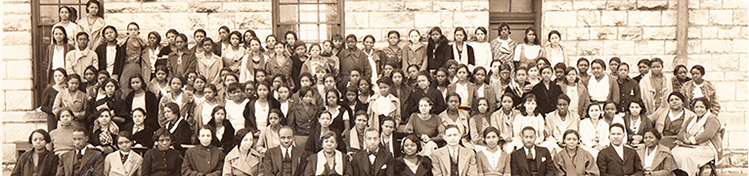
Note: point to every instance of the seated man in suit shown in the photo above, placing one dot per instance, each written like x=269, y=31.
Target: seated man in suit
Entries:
x=286, y=159
x=123, y=162
x=374, y=160
x=531, y=160
x=618, y=159
x=453, y=159
x=389, y=141
x=83, y=160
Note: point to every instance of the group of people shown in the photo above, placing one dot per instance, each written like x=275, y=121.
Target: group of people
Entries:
x=238, y=106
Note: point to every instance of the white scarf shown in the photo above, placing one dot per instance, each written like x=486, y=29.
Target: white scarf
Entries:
x=321, y=161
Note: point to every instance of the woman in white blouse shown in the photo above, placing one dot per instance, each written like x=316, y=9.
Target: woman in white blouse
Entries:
x=594, y=132
x=530, y=51
x=555, y=51
x=492, y=161
x=482, y=49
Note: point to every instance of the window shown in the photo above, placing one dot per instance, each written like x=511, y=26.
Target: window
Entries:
x=519, y=14
x=44, y=16
x=313, y=20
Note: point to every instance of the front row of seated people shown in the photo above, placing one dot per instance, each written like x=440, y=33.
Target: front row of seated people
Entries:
x=597, y=149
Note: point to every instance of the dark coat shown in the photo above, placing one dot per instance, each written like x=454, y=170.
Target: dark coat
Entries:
x=92, y=163
x=433, y=94
x=249, y=113
x=609, y=162
x=424, y=169
x=547, y=98
x=519, y=163
x=119, y=58
x=152, y=108
x=143, y=137
x=314, y=143
x=273, y=160
x=383, y=164
x=25, y=166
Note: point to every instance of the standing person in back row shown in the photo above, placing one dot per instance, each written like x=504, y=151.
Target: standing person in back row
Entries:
x=353, y=58
x=602, y=87
x=438, y=50
x=503, y=47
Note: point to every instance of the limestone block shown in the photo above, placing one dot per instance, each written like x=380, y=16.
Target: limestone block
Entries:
x=446, y=6
x=659, y=32
x=668, y=18
x=717, y=46
x=361, y=6
x=737, y=139
x=254, y=20
x=645, y=18
x=694, y=4
x=729, y=32
x=732, y=120
x=604, y=33
x=471, y=19
x=709, y=32
x=247, y=7
x=16, y=23
x=18, y=99
x=9, y=153
x=121, y=7
x=694, y=46
x=589, y=48
x=21, y=83
x=670, y=47
x=721, y=17
x=391, y=19
x=588, y=5
x=614, y=18
x=734, y=4
x=578, y=33
x=694, y=32
x=120, y=21
x=652, y=5
x=429, y=19
x=739, y=76
x=13, y=8
x=418, y=6
x=204, y=7
x=18, y=69
x=713, y=75
x=161, y=7
x=216, y=20
x=618, y=47
x=16, y=38
x=479, y=5
x=725, y=62
x=649, y=47
x=557, y=5
x=743, y=62
x=620, y=5
x=357, y=20
x=19, y=131
x=740, y=17
x=711, y=4
x=588, y=18
x=630, y=33
x=744, y=32
x=566, y=18
x=742, y=89
x=149, y=21
x=733, y=106
x=19, y=51
x=190, y=21
x=698, y=17
x=390, y=6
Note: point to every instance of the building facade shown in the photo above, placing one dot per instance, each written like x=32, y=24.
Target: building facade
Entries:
x=708, y=32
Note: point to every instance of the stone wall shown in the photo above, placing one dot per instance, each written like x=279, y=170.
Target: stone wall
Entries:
x=374, y=17
x=636, y=29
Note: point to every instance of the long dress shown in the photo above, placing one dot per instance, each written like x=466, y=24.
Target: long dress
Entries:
x=133, y=50
x=705, y=143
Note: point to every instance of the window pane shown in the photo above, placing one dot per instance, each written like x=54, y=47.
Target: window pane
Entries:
x=48, y=14
x=308, y=13
x=522, y=5
x=328, y=13
x=288, y=13
x=499, y=5
x=282, y=29
x=48, y=1
x=329, y=30
x=328, y=1
x=288, y=1
x=308, y=1
x=74, y=2
x=309, y=32
x=47, y=34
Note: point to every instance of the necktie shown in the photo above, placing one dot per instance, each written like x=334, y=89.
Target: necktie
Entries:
x=78, y=154
x=288, y=154
x=529, y=155
x=123, y=157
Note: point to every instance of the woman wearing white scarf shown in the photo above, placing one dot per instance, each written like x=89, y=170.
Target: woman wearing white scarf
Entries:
x=699, y=140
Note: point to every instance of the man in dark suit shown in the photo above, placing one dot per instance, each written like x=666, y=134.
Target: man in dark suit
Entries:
x=285, y=160
x=531, y=160
x=374, y=161
x=388, y=140
x=83, y=160
x=618, y=159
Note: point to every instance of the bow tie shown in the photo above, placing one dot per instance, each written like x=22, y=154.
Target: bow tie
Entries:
x=372, y=153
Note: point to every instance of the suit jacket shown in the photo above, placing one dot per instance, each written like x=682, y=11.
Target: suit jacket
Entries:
x=383, y=163
x=393, y=142
x=113, y=165
x=92, y=163
x=119, y=58
x=424, y=169
x=663, y=162
x=519, y=163
x=47, y=62
x=609, y=162
x=403, y=97
x=273, y=160
x=466, y=162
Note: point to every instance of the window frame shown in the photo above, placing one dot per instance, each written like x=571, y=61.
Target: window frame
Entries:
x=277, y=19
x=533, y=18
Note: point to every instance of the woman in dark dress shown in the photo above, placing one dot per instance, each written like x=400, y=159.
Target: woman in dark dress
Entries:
x=438, y=50
x=224, y=133
x=140, y=97
x=162, y=160
x=60, y=76
x=411, y=163
x=114, y=102
x=142, y=133
x=423, y=89
x=38, y=161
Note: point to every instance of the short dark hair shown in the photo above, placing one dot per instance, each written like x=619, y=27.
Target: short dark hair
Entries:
x=639, y=102
x=143, y=83
x=617, y=124
x=234, y=86
x=174, y=107
x=155, y=34
x=554, y=32
x=82, y=33
x=615, y=59
x=385, y=80
x=453, y=126
x=704, y=101
x=413, y=138
x=491, y=129
x=572, y=131
x=563, y=97
x=535, y=40
x=163, y=132
x=330, y=135
x=241, y=133
x=680, y=66
x=600, y=62
x=171, y=31
x=125, y=134
x=644, y=61
x=654, y=60
x=528, y=128
x=699, y=68
x=655, y=133
x=44, y=133
x=460, y=29
x=224, y=27
x=81, y=129
x=138, y=109
x=64, y=33
x=394, y=32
